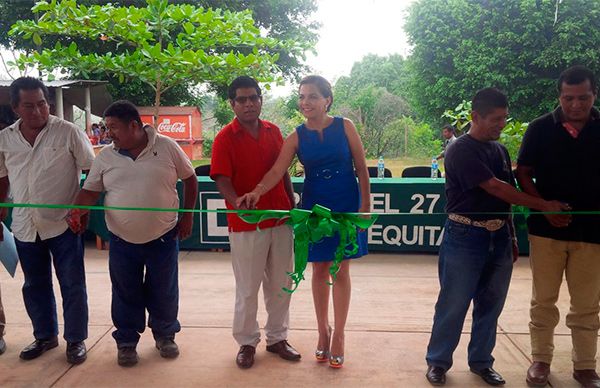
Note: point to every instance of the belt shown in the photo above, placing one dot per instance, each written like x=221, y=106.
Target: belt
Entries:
x=490, y=225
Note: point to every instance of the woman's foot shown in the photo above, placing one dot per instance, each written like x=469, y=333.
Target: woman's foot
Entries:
x=336, y=359
x=322, y=352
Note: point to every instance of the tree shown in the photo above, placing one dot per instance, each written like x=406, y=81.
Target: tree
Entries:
x=371, y=96
x=280, y=19
x=149, y=53
x=461, y=46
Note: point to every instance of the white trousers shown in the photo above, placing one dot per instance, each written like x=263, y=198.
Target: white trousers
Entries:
x=265, y=257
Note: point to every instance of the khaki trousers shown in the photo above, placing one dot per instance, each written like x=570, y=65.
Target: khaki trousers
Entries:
x=261, y=256
x=2, y=317
x=580, y=262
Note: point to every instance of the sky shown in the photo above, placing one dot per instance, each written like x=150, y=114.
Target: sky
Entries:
x=351, y=29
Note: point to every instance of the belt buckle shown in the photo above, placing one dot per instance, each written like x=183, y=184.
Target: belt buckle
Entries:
x=326, y=173
x=493, y=225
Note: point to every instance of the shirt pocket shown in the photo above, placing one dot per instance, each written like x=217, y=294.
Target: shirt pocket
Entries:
x=53, y=156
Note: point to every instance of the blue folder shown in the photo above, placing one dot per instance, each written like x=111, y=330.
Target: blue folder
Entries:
x=8, y=252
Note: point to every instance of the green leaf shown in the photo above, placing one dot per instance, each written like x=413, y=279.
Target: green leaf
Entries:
x=189, y=28
x=230, y=59
x=37, y=39
x=73, y=49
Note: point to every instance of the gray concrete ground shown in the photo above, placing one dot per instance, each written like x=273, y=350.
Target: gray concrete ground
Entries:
x=387, y=333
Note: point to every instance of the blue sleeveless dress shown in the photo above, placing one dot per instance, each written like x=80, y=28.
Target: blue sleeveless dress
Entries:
x=329, y=181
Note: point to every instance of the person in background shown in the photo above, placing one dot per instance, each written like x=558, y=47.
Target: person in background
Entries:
x=448, y=133
x=333, y=156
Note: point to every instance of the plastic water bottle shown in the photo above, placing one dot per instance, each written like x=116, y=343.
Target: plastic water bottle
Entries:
x=380, y=168
x=434, y=168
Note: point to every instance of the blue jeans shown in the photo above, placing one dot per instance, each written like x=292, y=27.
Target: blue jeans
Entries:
x=475, y=265
x=134, y=291
x=66, y=252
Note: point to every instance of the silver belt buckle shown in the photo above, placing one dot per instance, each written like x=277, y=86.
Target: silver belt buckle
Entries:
x=493, y=225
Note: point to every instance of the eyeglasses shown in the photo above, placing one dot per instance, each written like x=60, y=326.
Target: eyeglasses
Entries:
x=243, y=99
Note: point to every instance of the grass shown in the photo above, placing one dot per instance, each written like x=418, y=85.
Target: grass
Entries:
x=394, y=165
x=200, y=162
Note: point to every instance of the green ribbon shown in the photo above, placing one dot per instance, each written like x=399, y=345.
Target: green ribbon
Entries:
x=311, y=227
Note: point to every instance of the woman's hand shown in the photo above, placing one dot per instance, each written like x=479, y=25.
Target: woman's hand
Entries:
x=248, y=200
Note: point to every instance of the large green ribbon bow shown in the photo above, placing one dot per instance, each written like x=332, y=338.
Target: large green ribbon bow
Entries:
x=310, y=227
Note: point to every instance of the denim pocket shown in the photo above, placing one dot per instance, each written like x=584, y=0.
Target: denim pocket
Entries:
x=457, y=230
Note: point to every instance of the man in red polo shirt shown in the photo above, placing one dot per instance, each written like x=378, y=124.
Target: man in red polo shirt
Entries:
x=243, y=152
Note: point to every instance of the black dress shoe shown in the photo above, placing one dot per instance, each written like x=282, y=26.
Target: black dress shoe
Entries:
x=285, y=351
x=490, y=376
x=167, y=347
x=127, y=356
x=436, y=375
x=245, y=356
x=588, y=378
x=76, y=352
x=38, y=347
x=2, y=345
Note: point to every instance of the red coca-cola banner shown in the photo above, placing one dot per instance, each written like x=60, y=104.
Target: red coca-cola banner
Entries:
x=176, y=127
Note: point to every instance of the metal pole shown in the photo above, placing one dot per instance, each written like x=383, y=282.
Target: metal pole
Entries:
x=88, y=111
x=58, y=96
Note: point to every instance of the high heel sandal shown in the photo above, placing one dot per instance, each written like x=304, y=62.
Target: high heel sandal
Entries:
x=322, y=355
x=336, y=361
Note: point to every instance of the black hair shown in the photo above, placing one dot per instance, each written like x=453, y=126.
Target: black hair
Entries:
x=488, y=99
x=322, y=84
x=26, y=83
x=242, y=82
x=449, y=128
x=123, y=110
x=575, y=75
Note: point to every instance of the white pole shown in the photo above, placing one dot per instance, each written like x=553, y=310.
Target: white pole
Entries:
x=88, y=111
x=58, y=96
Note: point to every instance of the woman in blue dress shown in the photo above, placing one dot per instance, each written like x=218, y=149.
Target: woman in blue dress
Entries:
x=331, y=151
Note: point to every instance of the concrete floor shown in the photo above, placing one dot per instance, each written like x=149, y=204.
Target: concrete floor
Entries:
x=387, y=333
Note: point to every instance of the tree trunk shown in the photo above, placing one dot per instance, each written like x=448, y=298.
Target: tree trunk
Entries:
x=157, y=103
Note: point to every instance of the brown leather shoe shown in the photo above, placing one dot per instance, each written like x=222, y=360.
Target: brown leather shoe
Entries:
x=588, y=378
x=285, y=351
x=537, y=374
x=245, y=357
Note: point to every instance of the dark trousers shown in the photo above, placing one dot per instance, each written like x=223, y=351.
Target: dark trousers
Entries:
x=66, y=252
x=474, y=265
x=134, y=291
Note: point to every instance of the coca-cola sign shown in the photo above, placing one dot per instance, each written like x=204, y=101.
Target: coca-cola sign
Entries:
x=167, y=126
x=174, y=126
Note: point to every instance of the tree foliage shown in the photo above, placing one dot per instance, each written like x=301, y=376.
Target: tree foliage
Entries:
x=461, y=46
x=279, y=19
x=162, y=45
x=371, y=96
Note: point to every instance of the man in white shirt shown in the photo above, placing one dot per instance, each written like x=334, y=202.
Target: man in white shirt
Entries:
x=448, y=133
x=41, y=159
x=141, y=169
